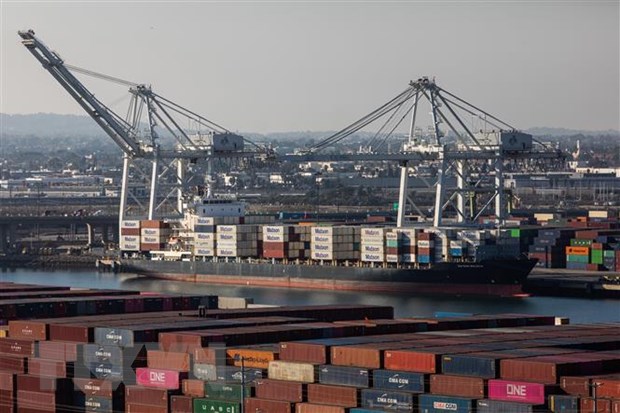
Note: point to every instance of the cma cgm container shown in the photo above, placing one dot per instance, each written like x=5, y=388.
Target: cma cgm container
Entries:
x=431, y=403
x=392, y=400
x=398, y=380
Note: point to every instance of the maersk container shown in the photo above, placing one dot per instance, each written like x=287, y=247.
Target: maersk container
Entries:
x=398, y=380
x=497, y=406
x=389, y=400
x=431, y=403
x=344, y=376
x=563, y=403
x=470, y=365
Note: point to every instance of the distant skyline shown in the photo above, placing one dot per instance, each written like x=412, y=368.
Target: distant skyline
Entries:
x=269, y=66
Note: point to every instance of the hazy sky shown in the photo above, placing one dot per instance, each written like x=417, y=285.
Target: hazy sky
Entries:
x=270, y=66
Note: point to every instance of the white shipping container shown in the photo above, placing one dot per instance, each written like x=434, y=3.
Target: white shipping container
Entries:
x=147, y=239
x=408, y=258
x=155, y=232
x=425, y=243
x=204, y=252
x=372, y=257
x=130, y=224
x=130, y=239
x=391, y=258
x=372, y=233
x=372, y=248
x=291, y=371
x=129, y=246
x=204, y=236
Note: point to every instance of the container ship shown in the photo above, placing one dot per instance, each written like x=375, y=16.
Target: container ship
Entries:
x=216, y=243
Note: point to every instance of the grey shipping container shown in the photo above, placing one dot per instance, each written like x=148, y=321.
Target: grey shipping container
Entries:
x=496, y=406
x=344, y=376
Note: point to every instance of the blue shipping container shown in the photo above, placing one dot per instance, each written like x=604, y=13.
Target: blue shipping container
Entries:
x=398, y=380
x=344, y=376
x=563, y=404
x=431, y=403
x=486, y=367
x=389, y=400
x=424, y=259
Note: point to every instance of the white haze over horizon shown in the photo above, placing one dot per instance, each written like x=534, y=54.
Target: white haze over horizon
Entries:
x=271, y=66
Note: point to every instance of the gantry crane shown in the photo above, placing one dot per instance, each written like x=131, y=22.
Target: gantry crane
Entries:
x=151, y=119
x=476, y=158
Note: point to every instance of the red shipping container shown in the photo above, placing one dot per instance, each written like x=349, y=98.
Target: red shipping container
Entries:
x=143, y=408
x=253, y=404
x=304, y=352
x=7, y=381
x=576, y=385
x=280, y=390
x=25, y=329
x=424, y=360
x=608, y=387
x=159, y=378
x=460, y=386
x=7, y=401
x=58, y=350
x=139, y=395
x=17, y=347
x=602, y=405
x=548, y=369
x=333, y=395
x=13, y=363
x=194, y=388
x=615, y=406
x=318, y=408
x=37, y=401
x=181, y=404
x=168, y=360
x=49, y=368
x=518, y=391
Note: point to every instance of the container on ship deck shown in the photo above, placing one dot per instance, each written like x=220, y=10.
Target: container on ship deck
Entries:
x=280, y=390
x=431, y=403
x=17, y=347
x=99, y=388
x=58, y=350
x=13, y=364
x=193, y=387
x=32, y=401
x=586, y=405
x=225, y=373
x=159, y=378
x=333, y=395
x=253, y=358
x=344, y=376
x=392, y=400
x=50, y=368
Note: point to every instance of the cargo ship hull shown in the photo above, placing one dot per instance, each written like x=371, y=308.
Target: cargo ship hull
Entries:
x=491, y=277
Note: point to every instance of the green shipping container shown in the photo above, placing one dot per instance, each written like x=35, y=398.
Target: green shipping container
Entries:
x=515, y=233
x=609, y=253
x=215, y=406
x=226, y=391
x=580, y=242
x=597, y=257
x=584, y=259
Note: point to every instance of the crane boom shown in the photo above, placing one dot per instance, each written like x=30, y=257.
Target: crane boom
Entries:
x=111, y=123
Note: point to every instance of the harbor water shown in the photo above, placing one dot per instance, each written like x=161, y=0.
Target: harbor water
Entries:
x=578, y=310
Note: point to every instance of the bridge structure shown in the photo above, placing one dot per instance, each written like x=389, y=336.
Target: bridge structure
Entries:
x=103, y=225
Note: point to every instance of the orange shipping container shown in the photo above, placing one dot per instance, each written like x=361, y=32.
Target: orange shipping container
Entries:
x=251, y=358
x=167, y=360
x=602, y=405
x=577, y=251
x=194, y=388
x=608, y=387
x=263, y=405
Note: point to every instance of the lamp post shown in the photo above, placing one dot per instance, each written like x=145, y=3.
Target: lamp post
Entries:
x=242, y=359
x=317, y=178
